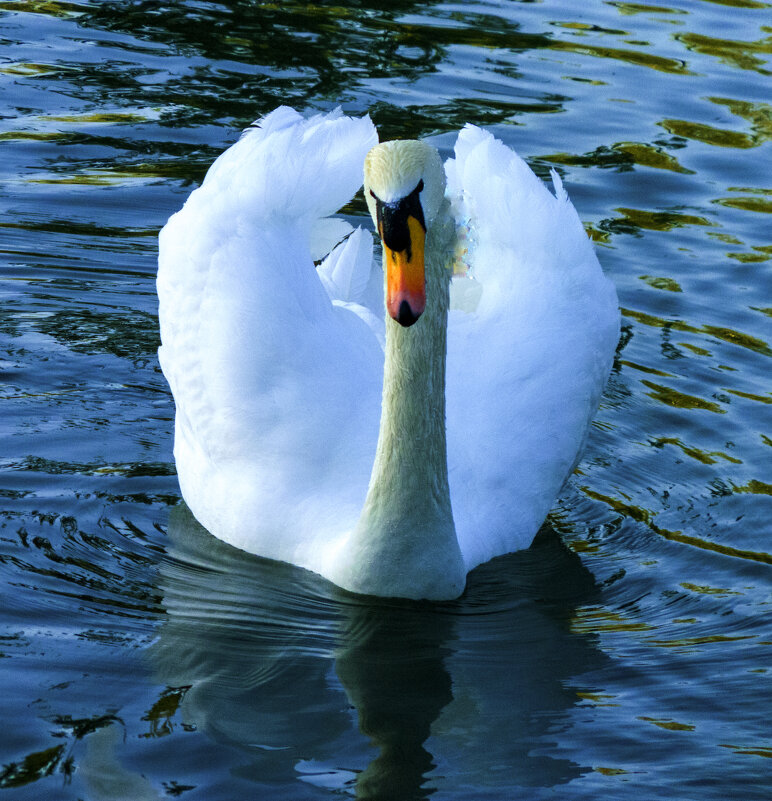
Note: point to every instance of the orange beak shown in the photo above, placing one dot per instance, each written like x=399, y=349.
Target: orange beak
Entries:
x=405, y=281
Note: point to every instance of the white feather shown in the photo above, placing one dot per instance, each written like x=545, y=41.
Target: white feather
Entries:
x=276, y=367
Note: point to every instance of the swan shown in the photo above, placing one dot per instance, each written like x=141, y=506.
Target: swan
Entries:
x=387, y=425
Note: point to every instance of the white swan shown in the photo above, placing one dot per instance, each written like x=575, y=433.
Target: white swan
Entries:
x=295, y=438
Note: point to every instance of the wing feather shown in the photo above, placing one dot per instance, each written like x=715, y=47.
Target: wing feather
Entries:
x=276, y=386
x=526, y=368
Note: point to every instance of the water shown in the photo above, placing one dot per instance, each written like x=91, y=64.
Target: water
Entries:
x=627, y=654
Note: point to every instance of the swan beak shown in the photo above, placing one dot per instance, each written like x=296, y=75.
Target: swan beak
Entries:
x=405, y=280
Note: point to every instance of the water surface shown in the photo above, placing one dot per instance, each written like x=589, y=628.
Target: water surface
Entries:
x=627, y=652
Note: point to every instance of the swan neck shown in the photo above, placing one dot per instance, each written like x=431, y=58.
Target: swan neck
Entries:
x=412, y=452
x=405, y=542
x=411, y=457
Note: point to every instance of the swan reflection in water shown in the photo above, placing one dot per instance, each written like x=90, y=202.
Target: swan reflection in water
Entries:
x=284, y=667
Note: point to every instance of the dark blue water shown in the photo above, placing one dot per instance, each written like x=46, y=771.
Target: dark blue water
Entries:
x=626, y=654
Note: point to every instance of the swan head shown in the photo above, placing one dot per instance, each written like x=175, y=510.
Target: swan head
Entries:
x=404, y=187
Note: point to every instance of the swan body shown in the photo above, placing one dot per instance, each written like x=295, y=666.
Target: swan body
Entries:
x=391, y=453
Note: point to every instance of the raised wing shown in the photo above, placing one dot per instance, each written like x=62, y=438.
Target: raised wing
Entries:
x=277, y=388
x=528, y=358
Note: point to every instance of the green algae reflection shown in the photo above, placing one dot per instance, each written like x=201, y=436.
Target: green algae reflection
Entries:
x=719, y=332
x=661, y=282
x=645, y=516
x=623, y=156
x=759, y=115
x=734, y=53
x=705, y=457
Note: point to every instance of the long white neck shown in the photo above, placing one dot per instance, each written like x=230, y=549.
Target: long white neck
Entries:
x=405, y=542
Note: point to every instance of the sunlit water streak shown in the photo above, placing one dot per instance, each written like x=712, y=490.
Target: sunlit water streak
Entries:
x=627, y=652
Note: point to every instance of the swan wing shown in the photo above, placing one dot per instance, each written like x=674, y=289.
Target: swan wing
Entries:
x=353, y=281
x=529, y=349
x=275, y=368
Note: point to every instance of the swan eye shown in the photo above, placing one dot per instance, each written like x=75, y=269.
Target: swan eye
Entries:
x=420, y=187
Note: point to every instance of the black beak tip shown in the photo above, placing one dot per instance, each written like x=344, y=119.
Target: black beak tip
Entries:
x=406, y=317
